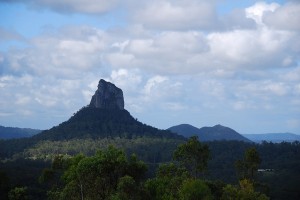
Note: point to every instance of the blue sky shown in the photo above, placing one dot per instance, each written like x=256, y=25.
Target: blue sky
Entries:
x=228, y=62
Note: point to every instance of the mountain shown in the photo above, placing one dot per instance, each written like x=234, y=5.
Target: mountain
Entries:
x=97, y=123
x=273, y=137
x=104, y=117
x=104, y=121
x=185, y=130
x=217, y=132
x=13, y=133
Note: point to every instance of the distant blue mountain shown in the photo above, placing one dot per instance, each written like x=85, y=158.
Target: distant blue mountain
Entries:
x=12, y=132
x=217, y=132
x=273, y=137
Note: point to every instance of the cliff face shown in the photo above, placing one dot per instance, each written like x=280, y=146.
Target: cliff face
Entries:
x=107, y=96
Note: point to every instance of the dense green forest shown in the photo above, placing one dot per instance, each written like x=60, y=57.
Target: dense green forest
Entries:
x=95, y=123
x=87, y=130
x=219, y=171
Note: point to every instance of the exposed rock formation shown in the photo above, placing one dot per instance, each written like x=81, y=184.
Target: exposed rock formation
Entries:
x=107, y=96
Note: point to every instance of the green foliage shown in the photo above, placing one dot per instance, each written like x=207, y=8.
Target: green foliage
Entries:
x=249, y=165
x=127, y=189
x=173, y=181
x=171, y=170
x=282, y=158
x=152, y=150
x=90, y=122
x=244, y=192
x=47, y=175
x=194, y=189
x=216, y=187
x=193, y=155
x=167, y=182
x=18, y=193
x=99, y=176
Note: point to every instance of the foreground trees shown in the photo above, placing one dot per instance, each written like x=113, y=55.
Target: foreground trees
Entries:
x=282, y=182
x=99, y=176
x=193, y=156
x=179, y=179
x=111, y=175
x=245, y=190
x=249, y=165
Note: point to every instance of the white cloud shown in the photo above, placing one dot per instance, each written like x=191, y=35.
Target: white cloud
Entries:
x=153, y=92
x=291, y=75
x=242, y=105
x=286, y=17
x=152, y=85
x=296, y=89
x=236, y=19
x=71, y=6
x=250, y=49
x=213, y=88
x=257, y=11
x=263, y=90
x=174, y=106
x=176, y=15
x=125, y=79
x=168, y=45
x=22, y=100
x=60, y=55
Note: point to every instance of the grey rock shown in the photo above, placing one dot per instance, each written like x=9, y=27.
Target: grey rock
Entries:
x=107, y=96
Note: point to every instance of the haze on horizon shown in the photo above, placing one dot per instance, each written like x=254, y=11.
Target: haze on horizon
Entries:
x=234, y=63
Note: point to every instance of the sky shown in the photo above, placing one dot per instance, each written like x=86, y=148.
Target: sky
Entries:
x=229, y=62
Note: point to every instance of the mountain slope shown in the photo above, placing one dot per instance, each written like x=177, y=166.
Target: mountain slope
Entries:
x=273, y=137
x=185, y=130
x=13, y=133
x=91, y=122
x=217, y=132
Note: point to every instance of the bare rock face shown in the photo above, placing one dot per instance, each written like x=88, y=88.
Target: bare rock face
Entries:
x=107, y=96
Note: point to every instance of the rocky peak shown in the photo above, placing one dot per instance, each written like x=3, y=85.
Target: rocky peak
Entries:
x=107, y=96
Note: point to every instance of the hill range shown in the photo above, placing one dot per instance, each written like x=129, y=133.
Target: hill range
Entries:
x=217, y=132
x=14, y=132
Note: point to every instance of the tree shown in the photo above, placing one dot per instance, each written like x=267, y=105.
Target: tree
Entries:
x=193, y=155
x=194, y=189
x=249, y=165
x=167, y=183
x=127, y=189
x=244, y=192
x=4, y=185
x=98, y=176
x=18, y=193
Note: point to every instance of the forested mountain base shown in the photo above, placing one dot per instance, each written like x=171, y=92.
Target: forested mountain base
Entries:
x=280, y=163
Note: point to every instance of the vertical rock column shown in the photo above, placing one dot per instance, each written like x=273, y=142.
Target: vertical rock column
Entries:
x=107, y=96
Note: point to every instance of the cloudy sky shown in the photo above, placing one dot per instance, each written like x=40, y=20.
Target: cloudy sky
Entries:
x=229, y=62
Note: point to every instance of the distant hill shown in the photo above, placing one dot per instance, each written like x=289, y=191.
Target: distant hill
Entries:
x=273, y=137
x=217, y=132
x=14, y=133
